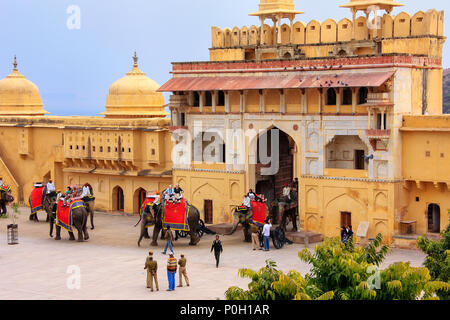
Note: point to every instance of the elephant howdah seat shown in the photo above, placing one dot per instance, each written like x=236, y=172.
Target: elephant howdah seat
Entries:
x=175, y=215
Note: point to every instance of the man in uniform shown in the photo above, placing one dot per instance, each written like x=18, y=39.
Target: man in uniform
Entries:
x=182, y=271
x=152, y=267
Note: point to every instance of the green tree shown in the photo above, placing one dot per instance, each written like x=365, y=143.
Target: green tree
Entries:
x=349, y=273
x=438, y=258
x=402, y=282
x=271, y=284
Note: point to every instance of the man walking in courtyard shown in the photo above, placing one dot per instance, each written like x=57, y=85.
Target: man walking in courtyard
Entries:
x=171, y=270
x=168, y=236
x=217, y=246
x=182, y=271
x=152, y=268
x=266, y=234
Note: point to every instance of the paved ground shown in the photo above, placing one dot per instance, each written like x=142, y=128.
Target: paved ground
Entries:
x=111, y=264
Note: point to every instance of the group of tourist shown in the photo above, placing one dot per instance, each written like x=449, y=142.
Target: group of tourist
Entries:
x=70, y=194
x=173, y=195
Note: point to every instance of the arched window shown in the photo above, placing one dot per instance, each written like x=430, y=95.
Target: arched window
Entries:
x=362, y=96
x=347, y=99
x=331, y=97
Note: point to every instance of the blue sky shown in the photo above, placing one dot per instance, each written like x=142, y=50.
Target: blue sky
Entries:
x=74, y=68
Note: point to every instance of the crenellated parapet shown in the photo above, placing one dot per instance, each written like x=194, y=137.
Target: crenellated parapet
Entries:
x=321, y=39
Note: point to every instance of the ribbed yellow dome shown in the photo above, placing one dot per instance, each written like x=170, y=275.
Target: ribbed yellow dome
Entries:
x=19, y=96
x=134, y=96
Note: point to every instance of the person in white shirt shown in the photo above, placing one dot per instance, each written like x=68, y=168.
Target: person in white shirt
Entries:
x=50, y=187
x=287, y=191
x=86, y=192
x=247, y=201
x=266, y=234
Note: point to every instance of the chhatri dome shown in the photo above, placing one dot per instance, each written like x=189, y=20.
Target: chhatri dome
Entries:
x=362, y=5
x=134, y=96
x=19, y=96
x=269, y=7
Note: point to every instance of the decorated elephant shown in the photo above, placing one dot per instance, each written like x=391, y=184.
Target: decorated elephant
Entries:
x=79, y=220
x=288, y=209
x=242, y=216
x=5, y=198
x=153, y=216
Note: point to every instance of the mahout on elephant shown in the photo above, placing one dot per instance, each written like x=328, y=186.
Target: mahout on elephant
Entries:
x=287, y=210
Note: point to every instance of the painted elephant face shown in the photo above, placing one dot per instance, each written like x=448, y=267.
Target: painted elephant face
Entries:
x=150, y=216
x=242, y=216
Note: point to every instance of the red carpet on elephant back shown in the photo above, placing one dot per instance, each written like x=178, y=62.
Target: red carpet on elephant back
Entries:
x=259, y=211
x=175, y=215
x=64, y=214
x=36, y=199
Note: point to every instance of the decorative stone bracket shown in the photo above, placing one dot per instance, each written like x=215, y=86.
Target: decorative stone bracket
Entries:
x=379, y=139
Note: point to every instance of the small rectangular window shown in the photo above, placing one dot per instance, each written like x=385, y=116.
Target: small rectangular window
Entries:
x=153, y=152
x=345, y=26
x=329, y=26
x=427, y=154
x=298, y=29
x=101, y=149
x=420, y=19
x=313, y=28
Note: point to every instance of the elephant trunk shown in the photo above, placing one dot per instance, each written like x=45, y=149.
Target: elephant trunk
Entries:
x=233, y=230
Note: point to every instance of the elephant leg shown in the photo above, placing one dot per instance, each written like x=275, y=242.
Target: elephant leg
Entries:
x=194, y=237
x=71, y=236
x=176, y=235
x=80, y=234
x=48, y=218
x=85, y=232
x=283, y=221
x=52, y=221
x=162, y=234
x=294, y=222
x=58, y=233
x=156, y=230
x=144, y=231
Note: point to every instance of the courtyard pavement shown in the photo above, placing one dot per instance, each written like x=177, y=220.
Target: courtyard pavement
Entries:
x=111, y=264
